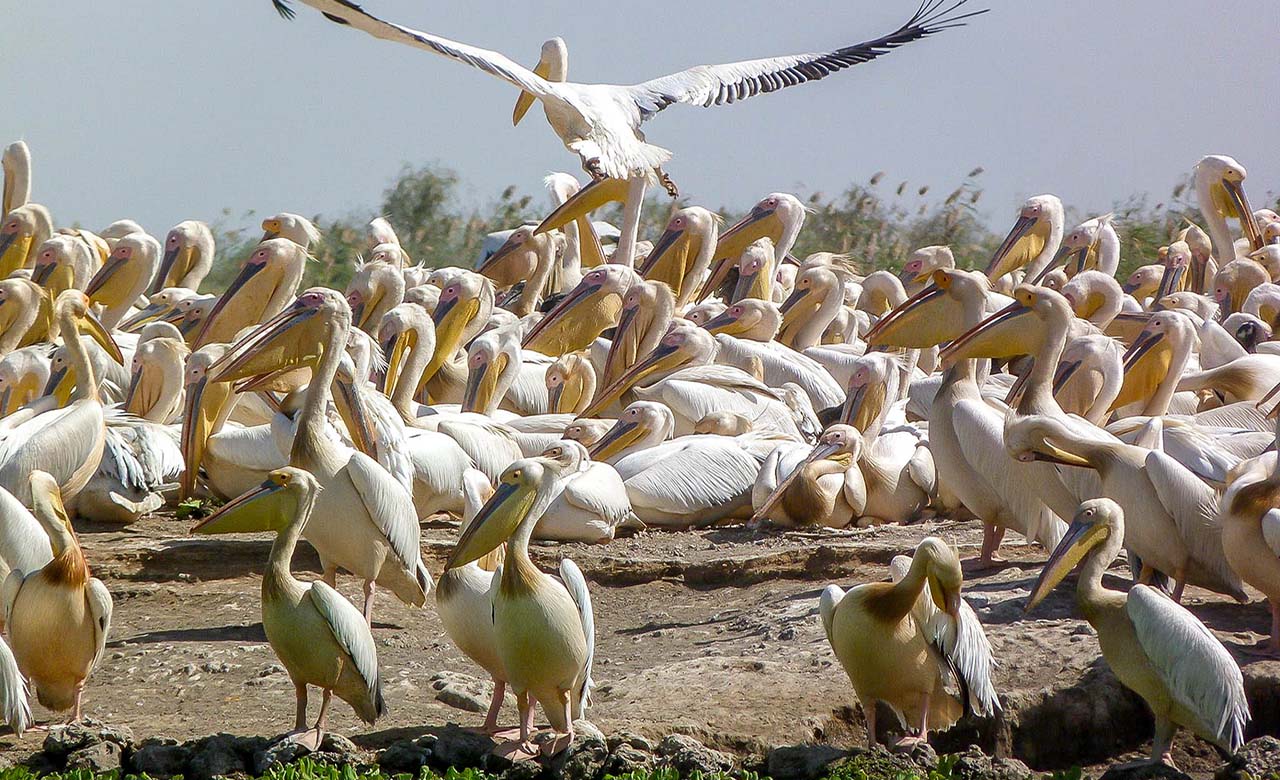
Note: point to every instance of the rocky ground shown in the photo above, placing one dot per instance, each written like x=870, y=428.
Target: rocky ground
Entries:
x=708, y=644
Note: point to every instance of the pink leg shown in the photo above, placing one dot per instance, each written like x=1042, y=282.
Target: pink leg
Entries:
x=495, y=706
x=370, y=589
x=869, y=712
x=300, y=693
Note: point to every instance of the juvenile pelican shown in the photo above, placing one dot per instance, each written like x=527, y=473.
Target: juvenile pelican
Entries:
x=907, y=642
x=825, y=487
x=1156, y=648
x=16, y=161
x=58, y=616
x=544, y=627
x=317, y=634
x=366, y=522
x=188, y=256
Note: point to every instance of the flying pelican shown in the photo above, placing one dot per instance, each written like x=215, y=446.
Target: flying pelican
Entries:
x=544, y=627
x=906, y=642
x=1156, y=648
x=58, y=616
x=188, y=256
x=124, y=277
x=66, y=442
x=464, y=600
x=601, y=123
x=317, y=634
x=823, y=486
x=16, y=161
x=366, y=523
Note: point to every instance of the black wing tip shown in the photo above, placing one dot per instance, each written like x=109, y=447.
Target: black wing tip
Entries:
x=282, y=7
x=934, y=16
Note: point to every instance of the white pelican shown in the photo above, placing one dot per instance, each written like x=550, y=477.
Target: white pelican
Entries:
x=592, y=501
x=1251, y=532
x=907, y=642
x=24, y=229
x=1219, y=183
x=500, y=373
x=16, y=161
x=601, y=122
x=544, y=627
x=1156, y=648
x=24, y=545
x=1094, y=296
x=321, y=639
x=584, y=313
x=921, y=264
x=124, y=277
x=65, y=442
x=375, y=288
x=1091, y=245
x=682, y=254
x=188, y=256
x=778, y=216
x=647, y=310
x=20, y=307
x=822, y=486
x=1032, y=241
x=266, y=283
x=24, y=374
x=571, y=384
x=58, y=616
x=366, y=522
x=464, y=600
x=294, y=227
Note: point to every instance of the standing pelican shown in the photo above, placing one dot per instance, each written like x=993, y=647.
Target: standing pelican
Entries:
x=1156, y=648
x=1219, y=182
x=544, y=627
x=321, y=639
x=906, y=642
x=365, y=521
x=601, y=122
x=188, y=256
x=58, y=616
x=1251, y=532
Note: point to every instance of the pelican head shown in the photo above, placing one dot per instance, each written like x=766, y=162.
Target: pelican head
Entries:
x=553, y=65
x=466, y=303
x=873, y=385
x=493, y=362
x=24, y=228
x=683, y=251
x=272, y=270
x=62, y=263
x=1094, y=296
x=374, y=289
x=935, y=314
x=271, y=506
x=683, y=344
x=205, y=407
x=126, y=274
x=923, y=262
x=293, y=338
x=571, y=383
x=294, y=227
x=590, y=294
x=1233, y=283
x=778, y=216
x=749, y=318
x=812, y=287
x=400, y=331
x=188, y=255
x=16, y=162
x=1032, y=439
x=161, y=306
x=47, y=507
x=155, y=392
x=1177, y=264
x=588, y=431
x=1219, y=181
x=1017, y=329
x=1144, y=281
x=524, y=490
x=1269, y=258
x=21, y=301
x=1038, y=220
x=572, y=456
x=1079, y=250
x=1150, y=357
x=943, y=574
x=841, y=443
x=73, y=309
x=1097, y=521
x=425, y=295
x=516, y=259
x=24, y=373
x=706, y=311
x=755, y=271
x=641, y=425
x=1248, y=330
x=380, y=232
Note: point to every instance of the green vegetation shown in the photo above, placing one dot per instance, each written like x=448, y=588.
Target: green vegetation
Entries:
x=877, y=222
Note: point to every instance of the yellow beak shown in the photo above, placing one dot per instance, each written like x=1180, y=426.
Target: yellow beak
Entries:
x=1081, y=537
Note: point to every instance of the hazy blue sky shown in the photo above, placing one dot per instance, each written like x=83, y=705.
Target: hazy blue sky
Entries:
x=163, y=110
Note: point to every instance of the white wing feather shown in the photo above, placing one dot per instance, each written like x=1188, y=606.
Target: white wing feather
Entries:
x=576, y=584
x=391, y=510
x=1193, y=505
x=100, y=607
x=351, y=631
x=13, y=692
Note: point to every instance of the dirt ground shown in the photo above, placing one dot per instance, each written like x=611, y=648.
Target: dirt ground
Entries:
x=711, y=633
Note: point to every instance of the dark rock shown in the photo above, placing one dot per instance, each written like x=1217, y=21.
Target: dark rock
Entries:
x=625, y=759
x=404, y=756
x=335, y=749
x=1144, y=772
x=687, y=755
x=62, y=740
x=160, y=758
x=921, y=754
x=633, y=740
x=462, y=749
x=215, y=756
x=973, y=764
x=800, y=762
x=1256, y=759
x=522, y=770
x=583, y=760
x=99, y=757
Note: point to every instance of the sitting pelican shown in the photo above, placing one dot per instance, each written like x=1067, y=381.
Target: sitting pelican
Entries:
x=647, y=310
x=544, y=627
x=124, y=277
x=1251, y=531
x=161, y=306
x=321, y=639
x=58, y=616
x=266, y=283
x=906, y=642
x=571, y=384
x=823, y=487
x=188, y=256
x=1156, y=648
x=23, y=231
x=601, y=123
x=464, y=600
x=16, y=161
x=366, y=522
x=66, y=442
x=24, y=374
x=592, y=502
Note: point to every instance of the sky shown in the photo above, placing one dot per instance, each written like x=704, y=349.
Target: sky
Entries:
x=164, y=110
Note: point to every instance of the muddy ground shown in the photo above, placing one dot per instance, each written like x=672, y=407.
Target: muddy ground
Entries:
x=712, y=633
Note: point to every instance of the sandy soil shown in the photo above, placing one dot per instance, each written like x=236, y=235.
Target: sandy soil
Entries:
x=712, y=633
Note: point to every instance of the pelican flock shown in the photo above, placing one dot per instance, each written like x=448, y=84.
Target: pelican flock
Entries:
x=570, y=388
